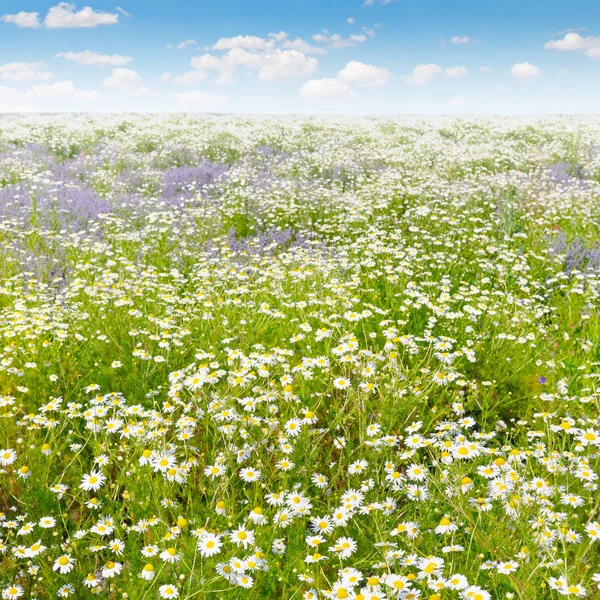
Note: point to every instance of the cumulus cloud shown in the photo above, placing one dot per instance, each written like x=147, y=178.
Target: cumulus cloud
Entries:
x=363, y=75
x=125, y=80
x=589, y=44
x=278, y=37
x=525, y=70
x=88, y=58
x=62, y=89
x=44, y=96
x=457, y=39
x=350, y=20
x=21, y=71
x=324, y=89
x=302, y=46
x=65, y=16
x=272, y=58
x=189, y=78
x=28, y=20
x=286, y=63
x=458, y=71
x=13, y=100
x=272, y=65
x=207, y=61
x=336, y=41
x=355, y=73
x=247, y=42
x=423, y=74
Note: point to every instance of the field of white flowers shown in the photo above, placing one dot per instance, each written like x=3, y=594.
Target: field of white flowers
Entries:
x=299, y=358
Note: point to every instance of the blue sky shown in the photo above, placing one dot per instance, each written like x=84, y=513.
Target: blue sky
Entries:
x=301, y=56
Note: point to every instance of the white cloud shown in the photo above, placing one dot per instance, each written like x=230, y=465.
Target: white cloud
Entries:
x=457, y=39
x=62, y=89
x=44, y=97
x=247, y=42
x=350, y=20
x=458, y=71
x=323, y=89
x=355, y=73
x=88, y=58
x=456, y=101
x=525, y=70
x=335, y=40
x=228, y=63
x=272, y=65
x=299, y=44
x=360, y=74
x=207, y=61
x=64, y=16
x=286, y=63
x=189, y=78
x=185, y=43
x=423, y=74
x=20, y=71
x=13, y=100
x=28, y=20
x=122, y=11
x=125, y=80
x=589, y=44
x=278, y=37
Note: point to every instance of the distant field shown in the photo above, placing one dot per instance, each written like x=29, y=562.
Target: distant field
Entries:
x=299, y=358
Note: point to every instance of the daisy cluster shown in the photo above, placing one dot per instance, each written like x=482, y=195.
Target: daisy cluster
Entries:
x=299, y=358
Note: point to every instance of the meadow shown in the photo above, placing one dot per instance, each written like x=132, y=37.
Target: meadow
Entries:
x=299, y=358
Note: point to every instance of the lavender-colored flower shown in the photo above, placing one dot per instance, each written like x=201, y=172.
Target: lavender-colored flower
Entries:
x=578, y=254
x=185, y=182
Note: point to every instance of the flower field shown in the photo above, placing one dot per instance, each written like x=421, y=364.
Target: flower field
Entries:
x=299, y=358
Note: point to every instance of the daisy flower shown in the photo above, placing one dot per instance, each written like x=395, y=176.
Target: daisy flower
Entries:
x=168, y=591
x=147, y=572
x=7, y=457
x=63, y=564
x=209, y=544
x=242, y=537
x=12, y=591
x=92, y=482
x=111, y=568
x=249, y=475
